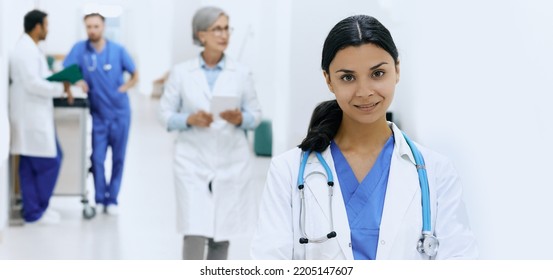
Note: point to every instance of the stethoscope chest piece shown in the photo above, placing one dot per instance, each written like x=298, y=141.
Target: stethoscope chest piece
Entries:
x=428, y=245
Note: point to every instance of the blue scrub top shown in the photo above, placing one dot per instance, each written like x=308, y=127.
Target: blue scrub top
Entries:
x=211, y=74
x=105, y=100
x=364, y=201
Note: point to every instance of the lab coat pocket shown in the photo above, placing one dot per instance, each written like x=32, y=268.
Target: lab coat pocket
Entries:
x=38, y=122
x=410, y=230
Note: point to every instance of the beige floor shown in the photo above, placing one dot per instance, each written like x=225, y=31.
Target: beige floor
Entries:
x=145, y=228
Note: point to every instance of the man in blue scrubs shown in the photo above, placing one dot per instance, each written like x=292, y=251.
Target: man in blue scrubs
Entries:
x=103, y=64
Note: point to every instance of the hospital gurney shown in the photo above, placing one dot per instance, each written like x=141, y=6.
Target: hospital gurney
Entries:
x=71, y=125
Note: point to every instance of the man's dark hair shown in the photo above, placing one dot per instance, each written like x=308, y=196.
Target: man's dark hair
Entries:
x=33, y=18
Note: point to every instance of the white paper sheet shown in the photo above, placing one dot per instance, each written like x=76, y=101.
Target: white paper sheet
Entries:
x=223, y=103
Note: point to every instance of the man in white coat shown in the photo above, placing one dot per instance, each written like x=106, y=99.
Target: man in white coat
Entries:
x=31, y=112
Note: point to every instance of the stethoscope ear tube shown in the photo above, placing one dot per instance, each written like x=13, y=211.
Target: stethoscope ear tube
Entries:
x=301, y=187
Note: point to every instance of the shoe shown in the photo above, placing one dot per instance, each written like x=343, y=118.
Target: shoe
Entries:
x=112, y=210
x=53, y=213
x=50, y=217
x=100, y=208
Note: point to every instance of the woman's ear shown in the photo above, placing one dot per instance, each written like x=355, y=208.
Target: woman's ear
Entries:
x=201, y=37
x=397, y=72
x=327, y=79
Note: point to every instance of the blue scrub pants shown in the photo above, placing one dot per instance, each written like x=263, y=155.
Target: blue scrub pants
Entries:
x=37, y=179
x=108, y=133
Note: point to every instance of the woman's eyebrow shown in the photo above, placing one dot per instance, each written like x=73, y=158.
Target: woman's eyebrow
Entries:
x=345, y=71
x=378, y=65
x=351, y=71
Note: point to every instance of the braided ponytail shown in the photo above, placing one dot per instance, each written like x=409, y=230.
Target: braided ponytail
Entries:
x=323, y=126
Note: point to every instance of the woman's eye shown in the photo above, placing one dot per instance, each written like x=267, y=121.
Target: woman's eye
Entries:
x=347, y=78
x=378, y=73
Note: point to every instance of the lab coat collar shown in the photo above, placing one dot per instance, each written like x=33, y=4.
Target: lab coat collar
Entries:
x=220, y=65
x=226, y=63
x=402, y=147
x=27, y=40
x=199, y=76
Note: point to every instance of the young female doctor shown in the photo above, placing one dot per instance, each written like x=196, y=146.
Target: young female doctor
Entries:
x=357, y=187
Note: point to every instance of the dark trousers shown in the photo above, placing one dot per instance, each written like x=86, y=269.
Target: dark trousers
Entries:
x=37, y=177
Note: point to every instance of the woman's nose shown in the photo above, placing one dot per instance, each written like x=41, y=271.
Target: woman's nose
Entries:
x=365, y=90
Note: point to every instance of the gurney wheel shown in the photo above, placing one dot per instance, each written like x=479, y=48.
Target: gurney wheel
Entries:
x=89, y=212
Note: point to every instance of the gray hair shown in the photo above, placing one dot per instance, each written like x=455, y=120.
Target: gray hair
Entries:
x=203, y=19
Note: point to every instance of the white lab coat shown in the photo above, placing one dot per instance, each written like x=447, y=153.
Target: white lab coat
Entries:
x=31, y=109
x=219, y=154
x=278, y=233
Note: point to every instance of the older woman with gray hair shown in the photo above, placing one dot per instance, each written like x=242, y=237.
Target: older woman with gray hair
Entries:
x=210, y=101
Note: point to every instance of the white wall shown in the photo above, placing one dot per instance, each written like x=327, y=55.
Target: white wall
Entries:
x=481, y=96
x=150, y=29
x=183, y=47
x=4, y=125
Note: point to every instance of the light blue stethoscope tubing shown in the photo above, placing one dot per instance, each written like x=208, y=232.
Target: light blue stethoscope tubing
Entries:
x=423, y=181
x=303, y=162
x=305, y=155
x=325, y=165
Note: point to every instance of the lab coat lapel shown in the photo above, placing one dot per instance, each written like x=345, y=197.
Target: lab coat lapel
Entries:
x=339, y=215
x=403, y=185
x=37, y=53
x=200, y=79
x=224, y=83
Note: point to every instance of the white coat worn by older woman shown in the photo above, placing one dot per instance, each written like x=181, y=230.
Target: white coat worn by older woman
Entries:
x=219, y=154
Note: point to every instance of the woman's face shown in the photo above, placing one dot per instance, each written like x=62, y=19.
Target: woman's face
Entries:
x=363, y=79
x=216, y=37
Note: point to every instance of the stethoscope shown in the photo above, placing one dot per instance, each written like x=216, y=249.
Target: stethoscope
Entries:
x=94, y=59
x=427, y=244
